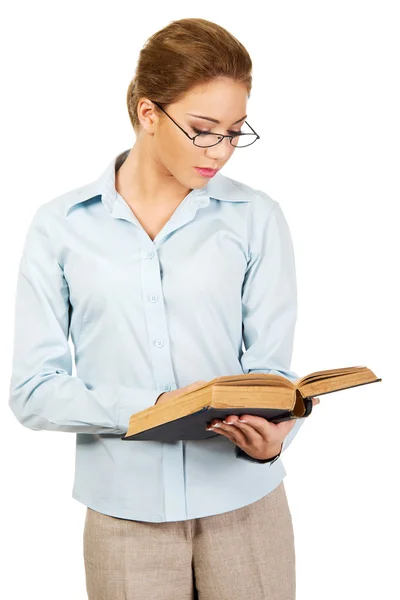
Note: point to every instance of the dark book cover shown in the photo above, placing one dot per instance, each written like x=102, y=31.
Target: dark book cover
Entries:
x=193, y=427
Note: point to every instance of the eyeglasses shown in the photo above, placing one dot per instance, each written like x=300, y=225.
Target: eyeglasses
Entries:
x=206, y=139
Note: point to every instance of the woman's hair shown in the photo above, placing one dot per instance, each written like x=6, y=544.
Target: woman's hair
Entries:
x=182, y=55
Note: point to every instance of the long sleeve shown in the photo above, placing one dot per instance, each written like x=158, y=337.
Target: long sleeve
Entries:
x=269, y=304
x=43, y=393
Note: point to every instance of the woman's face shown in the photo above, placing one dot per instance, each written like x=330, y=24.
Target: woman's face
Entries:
x=225, y=101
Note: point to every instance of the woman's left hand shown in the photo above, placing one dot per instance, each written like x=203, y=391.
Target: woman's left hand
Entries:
x=256, y=436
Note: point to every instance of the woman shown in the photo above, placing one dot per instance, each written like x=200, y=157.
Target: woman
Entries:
x=160, y=270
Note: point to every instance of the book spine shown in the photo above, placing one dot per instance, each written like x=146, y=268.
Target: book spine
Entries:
x=308, y=406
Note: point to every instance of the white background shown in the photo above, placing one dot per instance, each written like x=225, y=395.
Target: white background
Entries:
x=325, y=102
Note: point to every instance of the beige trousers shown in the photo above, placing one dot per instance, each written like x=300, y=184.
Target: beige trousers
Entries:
x=244, y=554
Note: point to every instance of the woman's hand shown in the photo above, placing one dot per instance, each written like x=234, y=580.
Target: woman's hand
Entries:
x=256, y=436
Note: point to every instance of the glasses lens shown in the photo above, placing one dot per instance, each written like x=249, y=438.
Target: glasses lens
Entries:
x=246, y=139
x=205, y=140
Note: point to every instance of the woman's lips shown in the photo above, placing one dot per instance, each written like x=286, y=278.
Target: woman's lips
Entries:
x=206, y=172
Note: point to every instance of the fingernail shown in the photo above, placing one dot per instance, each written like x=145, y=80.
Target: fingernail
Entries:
x=226, y=423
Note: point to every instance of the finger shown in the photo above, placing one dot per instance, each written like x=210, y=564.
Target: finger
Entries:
x=198, y=383
x=258, y=425
x=236, y=434
x=226, y=434
x=244, y=434
x=249, y=434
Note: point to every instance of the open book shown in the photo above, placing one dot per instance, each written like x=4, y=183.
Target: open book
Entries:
x=273, y=397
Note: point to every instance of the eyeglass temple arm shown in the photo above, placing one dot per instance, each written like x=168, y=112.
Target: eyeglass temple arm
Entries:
x=195, y=136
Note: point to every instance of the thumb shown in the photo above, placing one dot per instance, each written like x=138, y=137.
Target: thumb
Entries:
x=197, y=383
x=286, y=426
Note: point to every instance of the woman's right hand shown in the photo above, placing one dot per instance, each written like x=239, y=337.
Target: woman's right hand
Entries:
x=165, y=396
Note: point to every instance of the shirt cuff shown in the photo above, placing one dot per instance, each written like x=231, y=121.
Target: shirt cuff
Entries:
x=243, y=455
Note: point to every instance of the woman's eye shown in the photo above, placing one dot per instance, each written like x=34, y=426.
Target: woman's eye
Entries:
x=208, y=131
x=200, y=130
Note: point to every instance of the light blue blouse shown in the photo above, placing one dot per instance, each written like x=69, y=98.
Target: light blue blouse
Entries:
x=147, y=317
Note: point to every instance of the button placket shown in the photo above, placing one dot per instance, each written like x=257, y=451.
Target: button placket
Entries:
x=156, y=321
x=160, y=356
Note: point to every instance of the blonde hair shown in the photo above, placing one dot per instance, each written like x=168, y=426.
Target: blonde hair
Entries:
x=182, y=55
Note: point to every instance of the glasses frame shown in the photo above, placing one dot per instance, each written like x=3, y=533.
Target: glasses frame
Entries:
x=192, y=138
